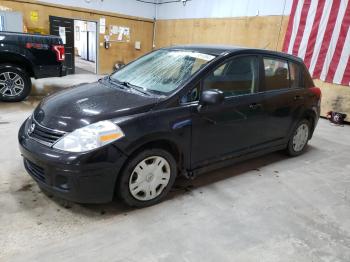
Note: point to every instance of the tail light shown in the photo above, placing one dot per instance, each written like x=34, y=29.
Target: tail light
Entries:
x=60, y=52
x=316, y=91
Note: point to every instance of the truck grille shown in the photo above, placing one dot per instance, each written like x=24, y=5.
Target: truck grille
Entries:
x=44, y=135
x=35, y=170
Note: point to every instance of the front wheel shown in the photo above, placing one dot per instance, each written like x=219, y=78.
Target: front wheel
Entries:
x=147, y=178
x=15, y=84
x=300, y=137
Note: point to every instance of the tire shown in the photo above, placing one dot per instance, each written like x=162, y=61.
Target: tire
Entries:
x=135, y=183
x=297, y=145
x=15, y=83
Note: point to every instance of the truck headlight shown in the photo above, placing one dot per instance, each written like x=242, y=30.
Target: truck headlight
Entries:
x=90, y=137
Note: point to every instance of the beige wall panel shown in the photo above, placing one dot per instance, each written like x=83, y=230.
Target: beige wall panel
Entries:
x=141, y=29
x=334, y=98
x=261, y=32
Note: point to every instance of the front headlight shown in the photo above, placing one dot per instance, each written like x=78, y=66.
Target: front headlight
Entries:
x=90, y=137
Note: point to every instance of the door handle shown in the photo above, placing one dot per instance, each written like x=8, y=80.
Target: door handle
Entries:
x=254, y=106
x=297, y=97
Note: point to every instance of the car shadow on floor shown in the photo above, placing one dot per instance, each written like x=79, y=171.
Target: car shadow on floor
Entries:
x=181, y=187
x=184, y=186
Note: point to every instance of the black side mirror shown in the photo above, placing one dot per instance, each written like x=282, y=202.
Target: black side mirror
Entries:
x=211, y=97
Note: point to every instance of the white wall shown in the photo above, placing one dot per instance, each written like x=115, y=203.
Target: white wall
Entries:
x=193, y=8
x=80, y=42
x=223, y=8
x=125, y=7
x=11, y=21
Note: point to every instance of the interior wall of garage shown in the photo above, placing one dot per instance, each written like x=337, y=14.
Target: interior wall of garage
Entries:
x=222, y=8
x=223, y=22
x=264, y=32
x=141, y=28
x=254, y=23
x=132, y=8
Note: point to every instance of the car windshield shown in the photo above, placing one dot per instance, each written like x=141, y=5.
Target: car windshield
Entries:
x=162, y=71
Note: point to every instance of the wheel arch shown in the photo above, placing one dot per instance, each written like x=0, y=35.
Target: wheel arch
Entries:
x=311, y=116
x=9, y=59
x=161, y=143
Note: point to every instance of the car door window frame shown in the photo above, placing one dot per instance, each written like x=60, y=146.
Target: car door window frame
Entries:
x=227, y=60
x=196, y=85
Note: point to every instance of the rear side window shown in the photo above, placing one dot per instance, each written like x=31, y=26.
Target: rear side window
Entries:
x=276, y=74
x=238, y=76
x=294, y=75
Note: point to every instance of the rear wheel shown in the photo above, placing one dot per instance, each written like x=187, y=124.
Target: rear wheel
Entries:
x=15, y=84
x=300, y=137
x=147, y=178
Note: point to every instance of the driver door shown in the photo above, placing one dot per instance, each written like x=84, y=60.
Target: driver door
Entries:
x=235, y=126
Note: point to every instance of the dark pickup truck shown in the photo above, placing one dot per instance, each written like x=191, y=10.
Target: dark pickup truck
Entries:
x=23, y=56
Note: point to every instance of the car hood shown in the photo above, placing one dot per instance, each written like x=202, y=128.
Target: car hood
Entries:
x=89, y=103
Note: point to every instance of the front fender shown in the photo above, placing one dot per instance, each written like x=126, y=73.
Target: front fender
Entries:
x=169, y=125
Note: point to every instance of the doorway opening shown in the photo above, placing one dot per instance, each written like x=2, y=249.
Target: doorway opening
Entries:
x=80, y=41
x=85, y=51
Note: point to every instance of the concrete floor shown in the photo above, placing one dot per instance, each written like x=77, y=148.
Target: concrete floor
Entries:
x=273, y=208
x=84, y=66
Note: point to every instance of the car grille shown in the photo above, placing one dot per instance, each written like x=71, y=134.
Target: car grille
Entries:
x=44, y=135
x=35, y=170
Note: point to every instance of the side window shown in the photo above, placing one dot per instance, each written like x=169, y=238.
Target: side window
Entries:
x=192, y=96
x=219, y=71
x=294, y=75
x=276, y=74
x=238, y=76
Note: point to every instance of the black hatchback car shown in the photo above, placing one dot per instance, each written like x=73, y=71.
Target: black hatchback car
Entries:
x=176, y=111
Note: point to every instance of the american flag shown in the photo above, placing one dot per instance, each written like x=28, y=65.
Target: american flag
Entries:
x=318, y=32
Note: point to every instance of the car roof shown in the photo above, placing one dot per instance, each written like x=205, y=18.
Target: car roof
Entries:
x=218, y=50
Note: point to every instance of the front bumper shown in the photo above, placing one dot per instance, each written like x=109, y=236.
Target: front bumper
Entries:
x=79, y=177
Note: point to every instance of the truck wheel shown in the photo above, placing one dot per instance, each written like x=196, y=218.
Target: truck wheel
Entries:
x=15, y=84
x=147, y=178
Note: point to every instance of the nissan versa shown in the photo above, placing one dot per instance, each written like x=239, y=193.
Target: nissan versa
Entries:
x=176, y=111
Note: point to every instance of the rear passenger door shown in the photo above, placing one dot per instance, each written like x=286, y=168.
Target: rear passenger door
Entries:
x=283, y=97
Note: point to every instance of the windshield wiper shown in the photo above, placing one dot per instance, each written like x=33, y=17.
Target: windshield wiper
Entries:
x=128, y=85
x=131, y=86
x=114, y=81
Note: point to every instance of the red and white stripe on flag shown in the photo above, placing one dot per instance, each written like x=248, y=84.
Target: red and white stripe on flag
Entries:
x=318, y=32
